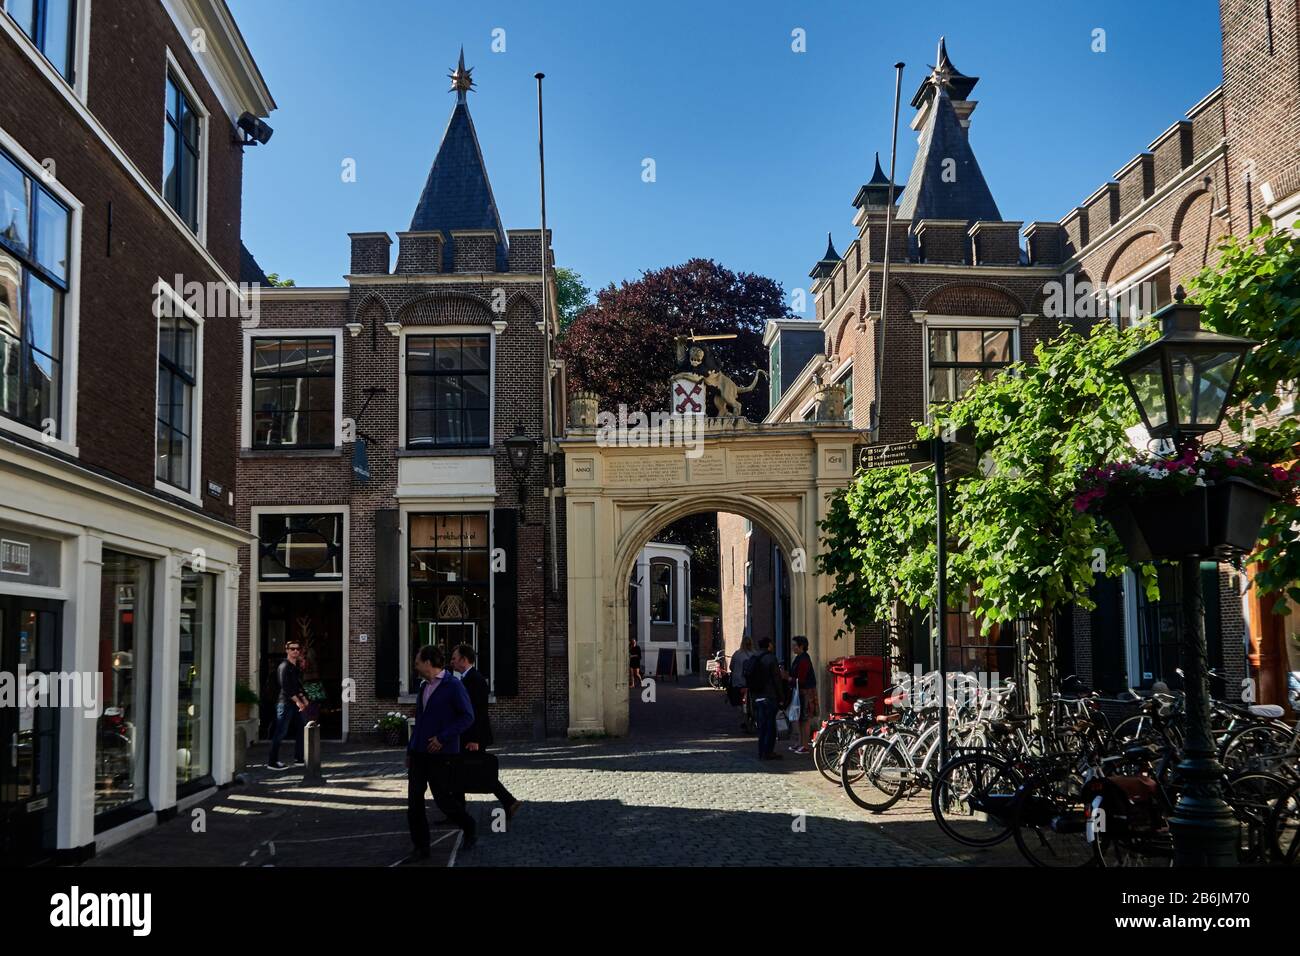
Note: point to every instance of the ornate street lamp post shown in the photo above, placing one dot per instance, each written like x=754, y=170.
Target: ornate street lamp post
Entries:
x=520, y=449
x=1181, y=384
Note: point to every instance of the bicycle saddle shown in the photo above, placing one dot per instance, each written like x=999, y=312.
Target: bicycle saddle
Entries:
x=1142, y=751
x=1267, y=711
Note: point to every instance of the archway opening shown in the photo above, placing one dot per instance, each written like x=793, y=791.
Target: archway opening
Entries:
x=700, y=588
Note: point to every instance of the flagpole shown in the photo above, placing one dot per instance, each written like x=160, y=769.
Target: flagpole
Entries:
x=884, y=278
x=547, y=412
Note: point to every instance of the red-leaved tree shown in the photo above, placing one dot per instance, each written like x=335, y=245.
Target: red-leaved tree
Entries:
x=623, y=348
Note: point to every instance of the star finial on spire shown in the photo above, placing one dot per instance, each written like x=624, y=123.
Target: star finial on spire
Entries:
x=942, y=73
x=461, y=81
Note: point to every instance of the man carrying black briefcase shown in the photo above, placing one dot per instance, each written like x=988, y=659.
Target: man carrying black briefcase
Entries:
x=478, y=768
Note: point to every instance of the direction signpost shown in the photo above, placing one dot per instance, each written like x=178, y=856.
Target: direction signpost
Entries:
x=953, y=456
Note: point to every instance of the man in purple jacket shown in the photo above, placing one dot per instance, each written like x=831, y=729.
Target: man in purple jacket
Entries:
x=442, y=714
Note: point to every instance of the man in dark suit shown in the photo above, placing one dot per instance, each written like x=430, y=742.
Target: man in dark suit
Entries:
x=442, y=713
x=479, y=737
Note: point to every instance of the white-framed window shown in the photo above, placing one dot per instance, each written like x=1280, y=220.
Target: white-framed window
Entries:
x=961, y=352
x=185, y=147
x=844, y=378
x=1133, y=298
x=179, y=418
x=300, y=545
x=292, y=389
x=40, y=227
x=56, y=29
x=447, y=388
x=663, y=591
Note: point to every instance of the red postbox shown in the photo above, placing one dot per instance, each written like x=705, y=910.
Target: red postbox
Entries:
x=856, y=677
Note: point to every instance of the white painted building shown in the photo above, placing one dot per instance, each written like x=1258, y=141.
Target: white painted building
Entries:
x=660, y=604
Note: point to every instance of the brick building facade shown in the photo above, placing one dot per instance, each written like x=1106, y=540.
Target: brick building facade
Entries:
x=957, y=266
x=120, y=186
x=375, y=420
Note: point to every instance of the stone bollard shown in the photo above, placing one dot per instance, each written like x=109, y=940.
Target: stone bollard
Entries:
x=311, y=750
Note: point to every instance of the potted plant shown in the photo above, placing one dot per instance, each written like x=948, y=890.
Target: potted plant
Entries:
x=392, y=728
x=1205, y=501
x=245, y=698
x=314, y=691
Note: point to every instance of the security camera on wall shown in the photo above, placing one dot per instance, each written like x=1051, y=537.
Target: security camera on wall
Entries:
x=256, y=132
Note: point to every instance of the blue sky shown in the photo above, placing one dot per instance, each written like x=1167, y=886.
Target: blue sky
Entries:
x=758, y=150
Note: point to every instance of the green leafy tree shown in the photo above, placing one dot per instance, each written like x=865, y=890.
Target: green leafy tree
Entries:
x=273, y=279
x=1254, y=290
x=572, y=293
x=1017, y=543
x=1022, y=547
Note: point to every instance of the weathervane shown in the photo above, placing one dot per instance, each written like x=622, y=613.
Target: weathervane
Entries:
x=461, y=81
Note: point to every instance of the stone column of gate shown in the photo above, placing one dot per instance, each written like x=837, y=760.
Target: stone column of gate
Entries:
x=590, y=542
x=832, y=469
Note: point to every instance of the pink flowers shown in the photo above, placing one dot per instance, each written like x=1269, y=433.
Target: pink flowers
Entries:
x=1195, y=467
x=1084, y=500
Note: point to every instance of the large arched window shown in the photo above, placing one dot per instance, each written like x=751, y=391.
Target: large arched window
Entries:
x=661, y=590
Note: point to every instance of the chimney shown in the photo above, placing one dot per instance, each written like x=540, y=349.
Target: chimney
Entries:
x=370, y=253
x=1173, y=152
x=474, y=250
x=1075, y=224
x=943, y=241
x=1103, y=208
x=419, y=252
x=1046, y=243
x=995, y=243
x=1137, y=181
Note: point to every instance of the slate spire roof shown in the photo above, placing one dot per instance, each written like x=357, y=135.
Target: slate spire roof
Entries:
x=944, y=74
x=946, y=181
x=458, y=194
x=828, y=262
x=876, y=191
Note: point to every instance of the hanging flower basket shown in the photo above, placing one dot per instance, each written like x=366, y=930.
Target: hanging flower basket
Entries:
x=1205, y=503
x=1219, y=518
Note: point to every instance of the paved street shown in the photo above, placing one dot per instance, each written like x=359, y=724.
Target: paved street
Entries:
x=683, y=789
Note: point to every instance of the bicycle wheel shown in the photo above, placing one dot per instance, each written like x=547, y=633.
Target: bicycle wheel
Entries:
x=1050, y=824
x=1140, y=729
x=1133, y=729
x=973, y=799
x=1254, y=748
x=1252, y=796
x=874, y=773
x=828, y=748
x=1283, y=833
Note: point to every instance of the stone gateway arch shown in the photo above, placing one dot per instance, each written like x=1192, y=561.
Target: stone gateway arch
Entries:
x=617, y=498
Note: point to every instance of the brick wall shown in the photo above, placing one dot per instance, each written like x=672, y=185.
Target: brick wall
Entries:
x=371, y=359
x=118, y=369
x=1261, y=97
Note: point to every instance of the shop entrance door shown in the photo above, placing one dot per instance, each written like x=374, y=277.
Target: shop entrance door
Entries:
x=29, y=639
x=315, y=620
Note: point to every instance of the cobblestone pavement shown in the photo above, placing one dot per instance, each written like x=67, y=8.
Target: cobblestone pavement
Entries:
x=684, y=788
x=356, y=817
